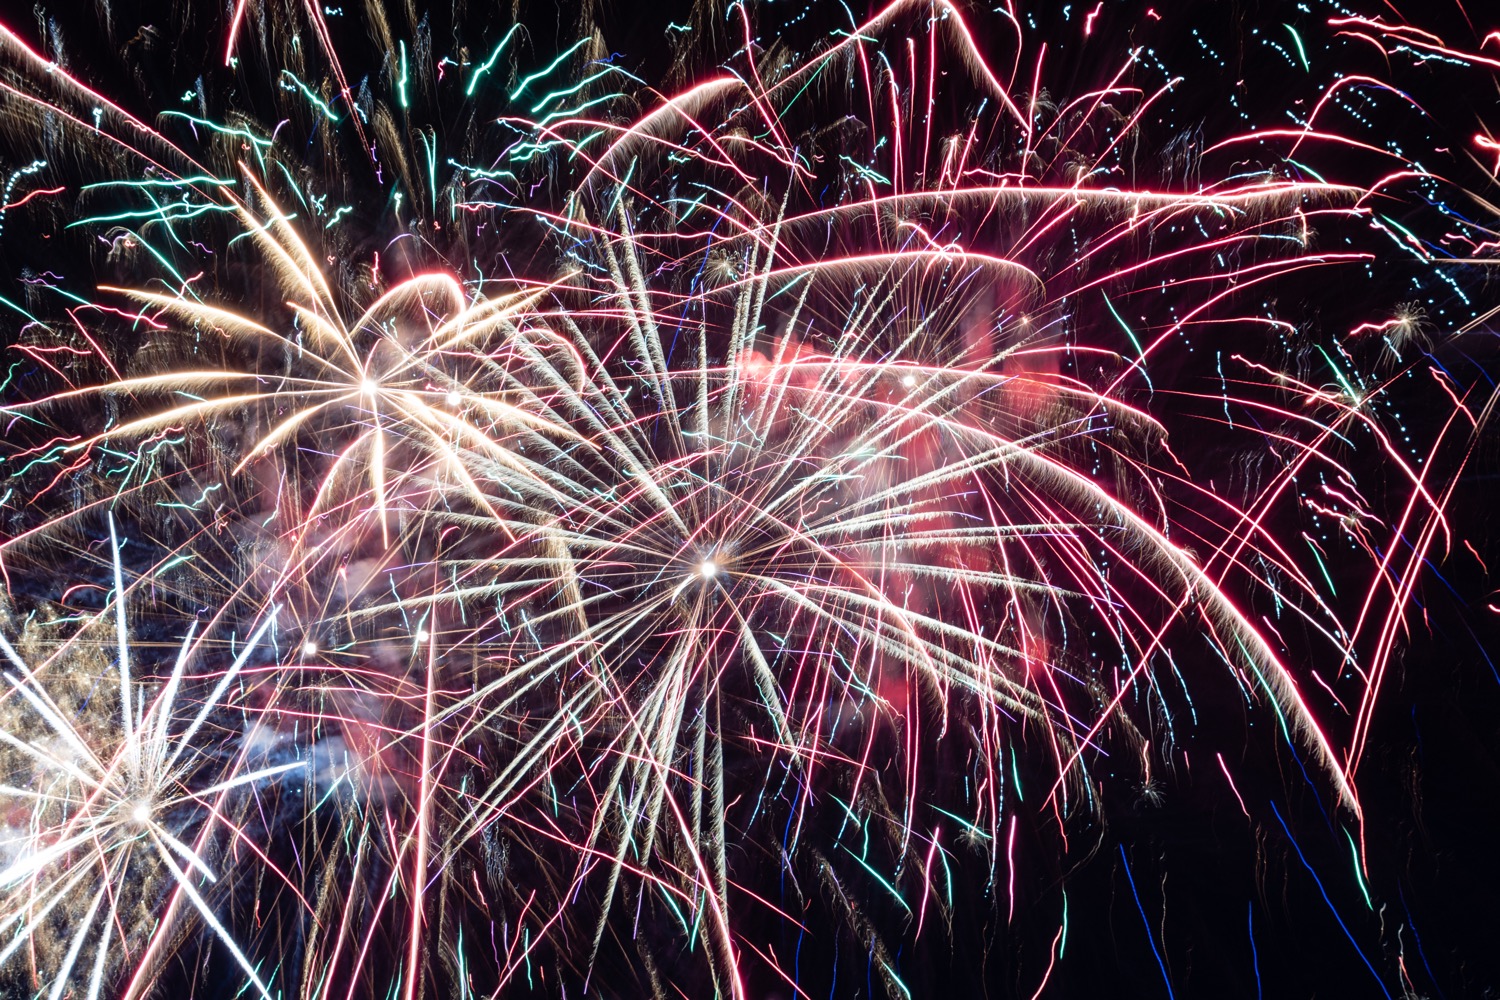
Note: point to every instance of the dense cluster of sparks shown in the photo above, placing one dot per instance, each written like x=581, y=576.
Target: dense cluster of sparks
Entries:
x=799, y=470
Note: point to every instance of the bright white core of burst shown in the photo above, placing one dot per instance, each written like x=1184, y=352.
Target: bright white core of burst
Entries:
x=141, y=813
x=908, y=380
x=707, y=569
x=309, y=648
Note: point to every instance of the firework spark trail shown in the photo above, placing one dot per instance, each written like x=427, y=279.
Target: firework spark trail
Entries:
x=795, y=480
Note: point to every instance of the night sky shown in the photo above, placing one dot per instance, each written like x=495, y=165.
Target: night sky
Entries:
x=1203, y=850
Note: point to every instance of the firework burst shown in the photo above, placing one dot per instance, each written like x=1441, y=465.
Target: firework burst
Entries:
x=109, y=813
